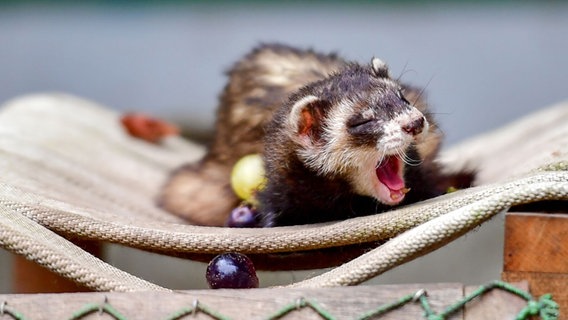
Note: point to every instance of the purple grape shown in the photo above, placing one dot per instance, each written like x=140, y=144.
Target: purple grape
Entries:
x=231, y=271
x=243, y=216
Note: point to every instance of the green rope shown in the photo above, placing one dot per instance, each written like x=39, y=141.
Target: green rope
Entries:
x=7, y=311
x=94, y=308
x=429, y=314
x=546, y=308
x=387, y=307
x=197, y=307
x=300, y=304
x=482, y=290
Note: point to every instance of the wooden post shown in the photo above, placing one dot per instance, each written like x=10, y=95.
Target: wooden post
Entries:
x=29, y=277
x=536, y=250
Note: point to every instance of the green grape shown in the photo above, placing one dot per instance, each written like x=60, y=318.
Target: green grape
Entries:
x=248, y=177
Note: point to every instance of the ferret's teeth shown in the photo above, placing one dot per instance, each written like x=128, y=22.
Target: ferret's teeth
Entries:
x=396, y=195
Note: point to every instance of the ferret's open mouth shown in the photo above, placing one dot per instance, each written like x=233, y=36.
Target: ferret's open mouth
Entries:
x=390, y=174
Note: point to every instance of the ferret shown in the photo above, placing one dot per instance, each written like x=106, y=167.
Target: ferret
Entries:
x=339, y=139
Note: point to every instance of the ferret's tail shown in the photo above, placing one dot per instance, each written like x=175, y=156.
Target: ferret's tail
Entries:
x=200, y=193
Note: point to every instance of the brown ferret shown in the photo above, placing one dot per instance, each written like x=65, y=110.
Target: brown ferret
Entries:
x=339, y=140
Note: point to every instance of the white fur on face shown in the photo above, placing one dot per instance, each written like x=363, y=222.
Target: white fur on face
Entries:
x=394, y=137
x=332, y=157
x=358, y=164
x=395, y=140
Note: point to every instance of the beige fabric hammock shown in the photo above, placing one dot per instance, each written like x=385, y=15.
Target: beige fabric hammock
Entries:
x=70, y=172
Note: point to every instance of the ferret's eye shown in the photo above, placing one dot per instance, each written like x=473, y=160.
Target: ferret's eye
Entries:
x=361, y=126
x=357, y=122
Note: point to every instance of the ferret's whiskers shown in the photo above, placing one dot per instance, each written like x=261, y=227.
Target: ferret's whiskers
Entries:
x=382, y=152
x=404, y=71
x=407, y=159
x=422, y=91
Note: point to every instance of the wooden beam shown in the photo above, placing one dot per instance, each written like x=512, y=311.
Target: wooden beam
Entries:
x=338, y=302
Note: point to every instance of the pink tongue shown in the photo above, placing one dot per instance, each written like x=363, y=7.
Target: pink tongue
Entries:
x=387, y=173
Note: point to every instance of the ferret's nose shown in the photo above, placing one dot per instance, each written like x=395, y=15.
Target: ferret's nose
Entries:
x=414, y=127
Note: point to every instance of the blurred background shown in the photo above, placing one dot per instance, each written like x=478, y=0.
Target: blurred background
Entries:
x=483, y=64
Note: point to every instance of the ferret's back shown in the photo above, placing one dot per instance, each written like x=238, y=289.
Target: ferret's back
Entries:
x=271, y=72
x=258, y=84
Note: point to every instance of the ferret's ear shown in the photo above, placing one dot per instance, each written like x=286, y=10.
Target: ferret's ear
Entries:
x=306, y=119
x=380, y=69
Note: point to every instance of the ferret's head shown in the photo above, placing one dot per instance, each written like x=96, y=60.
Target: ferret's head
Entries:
x=358, y=125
